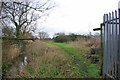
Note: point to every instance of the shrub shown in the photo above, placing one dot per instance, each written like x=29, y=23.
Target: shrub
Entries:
x=65, y=38
x=61, y=39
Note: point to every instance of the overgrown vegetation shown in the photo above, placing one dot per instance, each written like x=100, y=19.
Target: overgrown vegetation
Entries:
x=60, y=60
x=11, y=50
x=54, y=63
x=56, y=60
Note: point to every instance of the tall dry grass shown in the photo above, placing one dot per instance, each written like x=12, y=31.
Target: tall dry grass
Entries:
x=94, y=42
x=13, y=53
x=80, y=43
x=9, y=51
x=86, y=45
x=35, y=48
x=48, y=56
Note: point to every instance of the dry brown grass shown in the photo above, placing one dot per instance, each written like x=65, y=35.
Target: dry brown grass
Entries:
x=50, y=58
x=54, y=53
x=28, y=41
x=35, y=48
x=82, y=44
x=13, y=51
x=93, y=42
x=9, y=51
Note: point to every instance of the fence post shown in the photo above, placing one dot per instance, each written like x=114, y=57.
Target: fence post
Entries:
x=101, y=31
x=1, y=4
x=119, y=41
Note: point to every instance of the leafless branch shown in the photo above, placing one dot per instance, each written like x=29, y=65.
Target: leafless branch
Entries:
x=22, y=14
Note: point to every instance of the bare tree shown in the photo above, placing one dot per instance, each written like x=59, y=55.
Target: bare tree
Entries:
x=43, y=35
x=23, y=15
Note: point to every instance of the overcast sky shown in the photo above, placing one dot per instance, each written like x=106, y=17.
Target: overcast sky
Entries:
x=77, y=16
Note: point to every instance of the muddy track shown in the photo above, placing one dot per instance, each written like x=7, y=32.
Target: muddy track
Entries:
x=76, y=62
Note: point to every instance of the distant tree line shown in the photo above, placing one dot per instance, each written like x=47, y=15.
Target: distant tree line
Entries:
x=65, y=38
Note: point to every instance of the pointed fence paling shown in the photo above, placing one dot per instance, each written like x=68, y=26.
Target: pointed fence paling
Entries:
x=111, y=45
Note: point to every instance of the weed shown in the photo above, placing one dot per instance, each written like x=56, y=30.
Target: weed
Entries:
x=5, y=67
x=30, y=69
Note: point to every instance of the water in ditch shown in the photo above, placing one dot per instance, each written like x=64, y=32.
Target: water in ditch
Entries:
x=17, y=67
